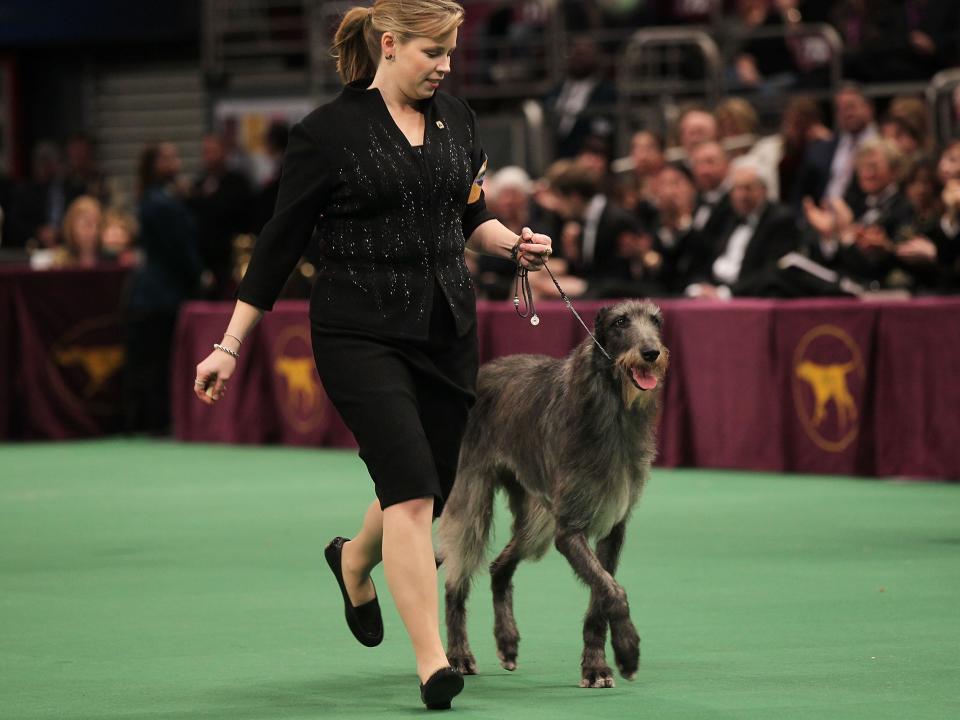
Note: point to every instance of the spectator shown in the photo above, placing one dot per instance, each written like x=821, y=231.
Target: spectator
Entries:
x=39, y=205
x=760, y=233
x=275, y=142
x=907, y=124
x=947, y=236
x=763, y=63
x=581, y=106
x=695, y=125
x=592, y=240
x=168, y=275
x=117, y=238
x=860, y=241
x=801, y=126
x=710, y=165
x=81, y=234
x=221, y=200
x=81, y=176
x=636, y=184
x=508, y=194
x=892, y=40
x=682, y=248
x=739, y=130
x=828, y=168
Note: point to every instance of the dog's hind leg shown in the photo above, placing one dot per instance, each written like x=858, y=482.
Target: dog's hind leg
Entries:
x=459, y=654
x=626, y=644
x=608, y=602
x=504, y=625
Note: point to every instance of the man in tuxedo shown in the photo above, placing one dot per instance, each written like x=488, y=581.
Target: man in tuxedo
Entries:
x=597, y=230
x=710, y=165
x=758, y=234
x=828, y=168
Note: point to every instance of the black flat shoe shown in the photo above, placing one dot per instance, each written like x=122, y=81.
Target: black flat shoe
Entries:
x=364, y=621
x=440, y=688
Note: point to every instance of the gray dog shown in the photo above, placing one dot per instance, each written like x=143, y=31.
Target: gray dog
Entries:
x=571, y=442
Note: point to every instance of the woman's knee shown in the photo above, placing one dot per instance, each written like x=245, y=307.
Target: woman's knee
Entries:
x=416, y=509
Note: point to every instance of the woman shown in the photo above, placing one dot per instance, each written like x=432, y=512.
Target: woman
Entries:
x=81, y=234
x=389, y=174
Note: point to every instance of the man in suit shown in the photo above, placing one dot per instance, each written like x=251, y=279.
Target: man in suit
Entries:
x=582, y=104
x=827, y=171
x=710, y=165
x=758, y=234
x=597, y=230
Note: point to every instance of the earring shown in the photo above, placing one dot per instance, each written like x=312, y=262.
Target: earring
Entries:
x=389, y=57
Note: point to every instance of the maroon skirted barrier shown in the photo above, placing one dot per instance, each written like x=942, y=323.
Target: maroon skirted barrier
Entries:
x=61, y=352
x=826, y=386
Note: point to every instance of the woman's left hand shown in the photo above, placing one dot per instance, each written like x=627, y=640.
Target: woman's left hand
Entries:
x=534, y=249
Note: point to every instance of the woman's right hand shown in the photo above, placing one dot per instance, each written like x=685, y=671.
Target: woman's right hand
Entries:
x=213, y=372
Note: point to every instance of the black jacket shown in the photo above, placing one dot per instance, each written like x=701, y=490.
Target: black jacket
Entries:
x=391, y=220
x=774, y=236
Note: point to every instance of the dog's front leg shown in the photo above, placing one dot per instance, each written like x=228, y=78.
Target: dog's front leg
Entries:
x=623, y=634
x=608, y=601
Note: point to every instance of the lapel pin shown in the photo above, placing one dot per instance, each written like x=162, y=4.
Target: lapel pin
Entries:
x=440, y=124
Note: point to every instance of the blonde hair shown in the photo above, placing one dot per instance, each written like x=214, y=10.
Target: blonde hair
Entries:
x=737, y=116
x=83, y=204
x=891, y=153
x=356, y=44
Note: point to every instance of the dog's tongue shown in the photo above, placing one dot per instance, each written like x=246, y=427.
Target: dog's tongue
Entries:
x=644, y=378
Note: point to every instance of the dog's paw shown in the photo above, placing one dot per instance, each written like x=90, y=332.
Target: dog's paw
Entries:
x=464, y=663
x=597, y=676
x=508, y=660
x=626, y=648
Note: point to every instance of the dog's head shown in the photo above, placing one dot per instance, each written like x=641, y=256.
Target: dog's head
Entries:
x=630, y=332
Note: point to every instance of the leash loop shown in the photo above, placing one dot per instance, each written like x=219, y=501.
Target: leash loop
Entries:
x=522, y=287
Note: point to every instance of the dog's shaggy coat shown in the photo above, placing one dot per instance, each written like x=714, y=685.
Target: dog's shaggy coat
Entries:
x=571, y=442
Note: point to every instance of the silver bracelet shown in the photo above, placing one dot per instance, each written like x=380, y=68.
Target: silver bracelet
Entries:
x=228, y=351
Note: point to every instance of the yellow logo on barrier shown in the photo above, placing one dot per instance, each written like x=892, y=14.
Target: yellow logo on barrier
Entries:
x=84, y=370
x=823, y=363
x=303, y=404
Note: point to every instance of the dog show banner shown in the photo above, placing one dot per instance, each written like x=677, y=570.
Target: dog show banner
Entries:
x=825, y=357
x=63, y=352
x=817, y=386
x=276, y=395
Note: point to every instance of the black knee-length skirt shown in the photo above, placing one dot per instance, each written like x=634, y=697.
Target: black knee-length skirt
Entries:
x=405, y=401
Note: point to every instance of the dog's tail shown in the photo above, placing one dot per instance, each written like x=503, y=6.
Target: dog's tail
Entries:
x=464, y=529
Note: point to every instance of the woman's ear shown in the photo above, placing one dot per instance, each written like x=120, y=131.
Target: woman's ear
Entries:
x=388, y=45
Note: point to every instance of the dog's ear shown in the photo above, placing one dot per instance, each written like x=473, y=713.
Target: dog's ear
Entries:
x=600, y=324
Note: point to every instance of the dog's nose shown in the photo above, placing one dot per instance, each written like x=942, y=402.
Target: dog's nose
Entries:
x=650, y=355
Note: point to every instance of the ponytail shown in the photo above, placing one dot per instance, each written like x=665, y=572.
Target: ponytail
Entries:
x=355, y=46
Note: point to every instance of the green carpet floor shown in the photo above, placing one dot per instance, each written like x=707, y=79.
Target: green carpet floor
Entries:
x=152, y=580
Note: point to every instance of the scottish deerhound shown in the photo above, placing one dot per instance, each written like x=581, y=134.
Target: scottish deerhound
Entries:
x=571, y=442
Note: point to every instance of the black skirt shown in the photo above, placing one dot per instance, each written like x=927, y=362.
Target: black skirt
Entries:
x=405, y=401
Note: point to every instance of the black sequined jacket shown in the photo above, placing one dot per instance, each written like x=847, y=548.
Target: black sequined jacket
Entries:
x=391, y=219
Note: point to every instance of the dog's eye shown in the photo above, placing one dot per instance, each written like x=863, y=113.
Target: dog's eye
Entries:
x=657, y=320
x=622, y=321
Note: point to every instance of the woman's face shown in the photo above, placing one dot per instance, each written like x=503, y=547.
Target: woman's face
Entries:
x=920, y=191
x=421, y=64
x=949, y=165
x=86, y=231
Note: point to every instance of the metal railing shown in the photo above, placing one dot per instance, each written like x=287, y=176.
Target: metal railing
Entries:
x=944, y=103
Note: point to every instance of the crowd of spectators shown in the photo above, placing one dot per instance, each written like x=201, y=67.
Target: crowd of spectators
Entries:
x=718, y=210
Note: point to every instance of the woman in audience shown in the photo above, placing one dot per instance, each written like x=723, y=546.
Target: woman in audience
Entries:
x=81, y=234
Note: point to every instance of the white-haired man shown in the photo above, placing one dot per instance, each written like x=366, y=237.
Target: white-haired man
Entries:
x=759, y=233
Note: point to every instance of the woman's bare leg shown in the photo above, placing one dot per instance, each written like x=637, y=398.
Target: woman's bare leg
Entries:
x=361, y=555
x=411, y=572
